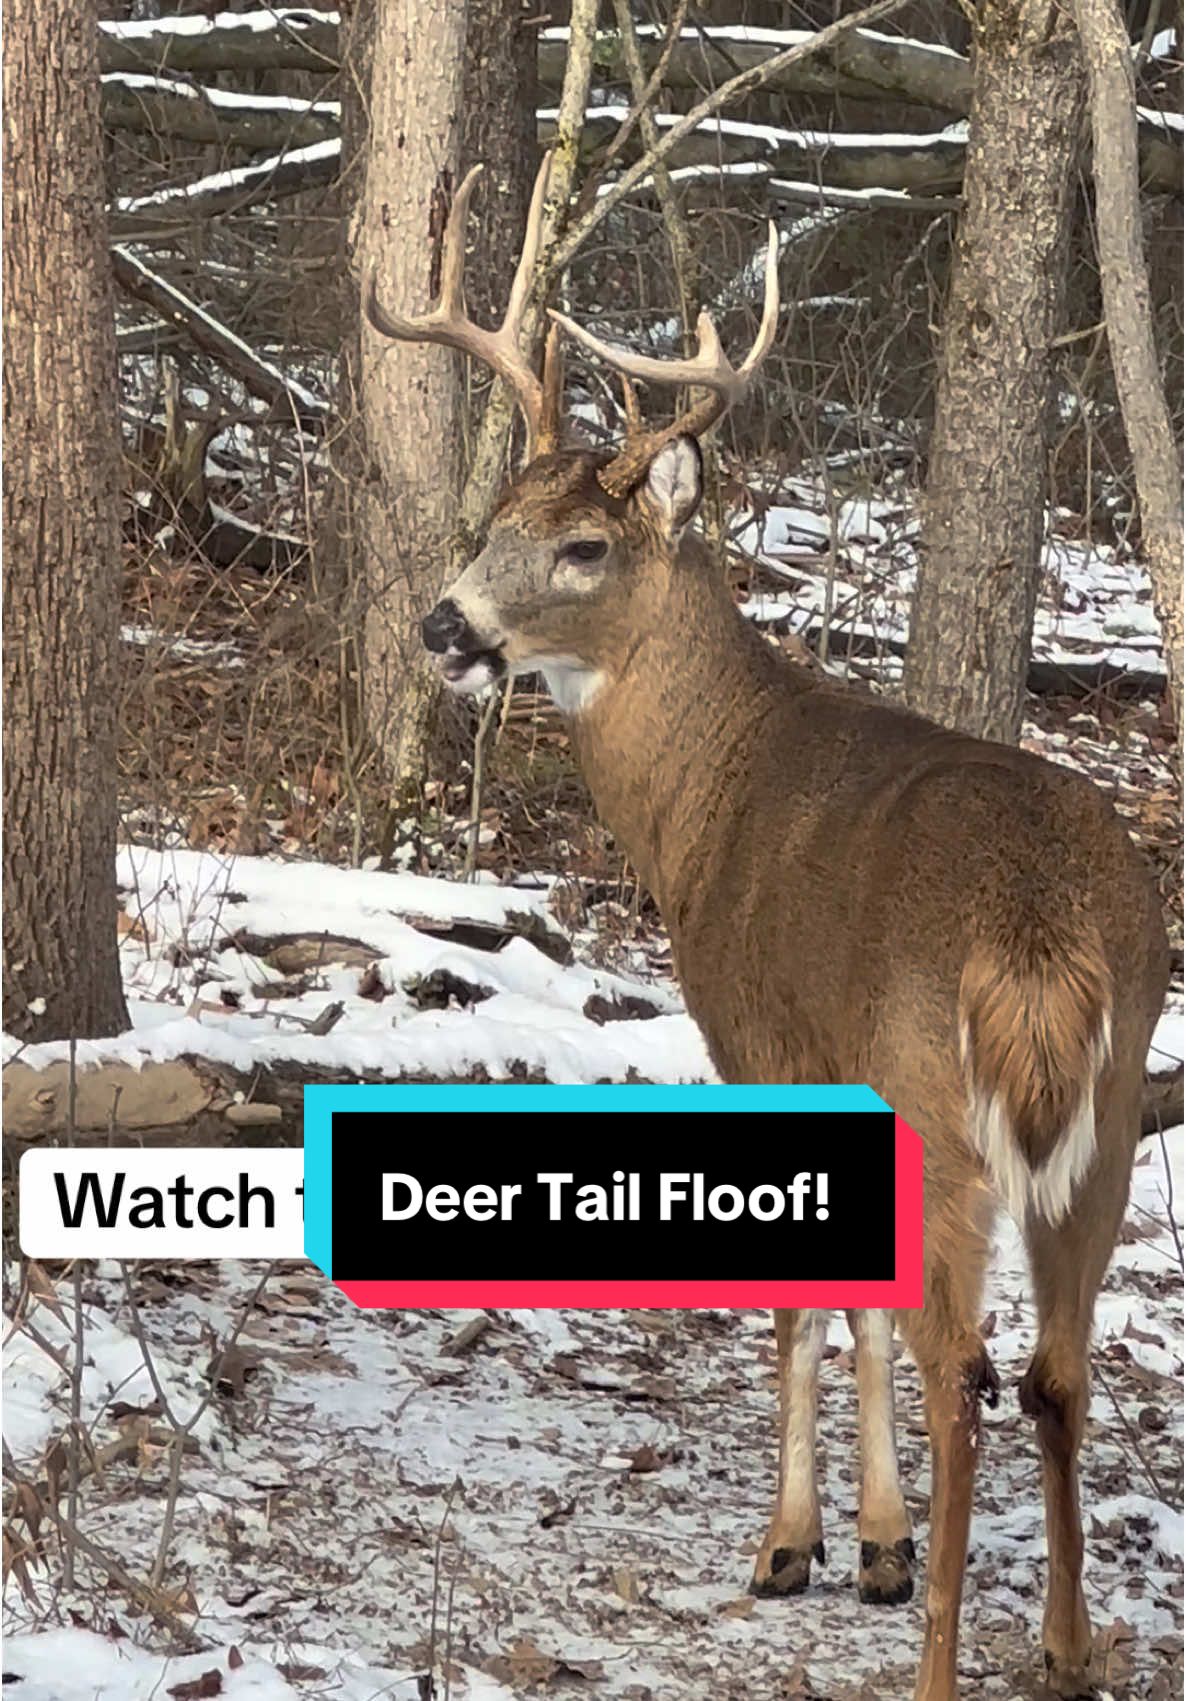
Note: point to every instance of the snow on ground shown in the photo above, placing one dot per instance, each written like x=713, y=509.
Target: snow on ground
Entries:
x=196, y=986
x=202, y=943
x=582, y=1492
x=1095, y=608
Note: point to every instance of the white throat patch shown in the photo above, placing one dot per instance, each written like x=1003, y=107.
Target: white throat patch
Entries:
x=572, y=684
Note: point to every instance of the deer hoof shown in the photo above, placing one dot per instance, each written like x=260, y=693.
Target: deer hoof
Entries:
x=1068, y=1680
x=886, y=1576
x=785, y=1570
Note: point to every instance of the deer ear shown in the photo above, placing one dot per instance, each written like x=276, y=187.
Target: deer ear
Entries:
x=674, y=484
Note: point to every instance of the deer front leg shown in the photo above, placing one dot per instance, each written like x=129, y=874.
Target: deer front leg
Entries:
x=883, y=1525
x=795, y=1536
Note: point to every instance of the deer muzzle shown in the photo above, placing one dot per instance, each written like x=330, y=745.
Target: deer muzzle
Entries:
x=466, y=663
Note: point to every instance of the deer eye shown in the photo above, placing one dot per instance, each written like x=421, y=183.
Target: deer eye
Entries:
x=585, y=550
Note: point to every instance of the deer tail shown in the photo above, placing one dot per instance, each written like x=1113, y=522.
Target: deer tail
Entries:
x=1034, y=1040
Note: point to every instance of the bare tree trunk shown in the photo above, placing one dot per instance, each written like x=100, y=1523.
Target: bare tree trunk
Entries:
x=411, y=394
x=1157, y=461
x=973, y=614
x=498, y=131
x=62, y=544
x=336, y=577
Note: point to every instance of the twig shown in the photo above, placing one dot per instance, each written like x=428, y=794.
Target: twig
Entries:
x=475, y=806
x=69, y=1533
x=1169, y=1196
x=436, y=1576
x=181, y=1431
x=74, y=1446
x=674, y=223
x=641, y=94
x=1150, y=1473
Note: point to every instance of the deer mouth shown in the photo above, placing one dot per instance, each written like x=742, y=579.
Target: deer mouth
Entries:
x=471, y=670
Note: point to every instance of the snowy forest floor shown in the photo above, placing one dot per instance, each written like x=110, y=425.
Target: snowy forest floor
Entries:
x=568, y=1505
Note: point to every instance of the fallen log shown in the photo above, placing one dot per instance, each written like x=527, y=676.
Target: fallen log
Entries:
x=163, y=106
x=138, y=216
x=192, y=1101
x=863, y=65
x=281, y=38
x=289, y=400
x=1045, y=678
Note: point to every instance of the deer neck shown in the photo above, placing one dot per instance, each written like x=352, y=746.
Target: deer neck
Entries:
x=664, y=738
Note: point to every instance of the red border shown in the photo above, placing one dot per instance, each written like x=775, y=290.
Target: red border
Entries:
x=904, y=1293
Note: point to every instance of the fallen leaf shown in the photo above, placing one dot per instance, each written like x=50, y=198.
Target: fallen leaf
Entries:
x=523, y=1663
x=742, y=1607
x=198, y=1688
x=626, y=1586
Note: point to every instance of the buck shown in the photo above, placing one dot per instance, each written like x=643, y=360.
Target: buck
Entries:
x=853, y=894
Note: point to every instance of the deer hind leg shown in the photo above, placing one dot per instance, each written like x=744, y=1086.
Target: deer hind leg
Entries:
x=945, y=1340
x=883, y=1525
x=1068, y=1262
x=795, y=1536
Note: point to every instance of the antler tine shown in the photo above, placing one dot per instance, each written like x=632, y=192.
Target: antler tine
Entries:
x=447, y=321
x=550, y=424
x=709, y=368
x=630, y=407
x=448, y=315
x=768, y=329
x=524, y=271
x=451, y=302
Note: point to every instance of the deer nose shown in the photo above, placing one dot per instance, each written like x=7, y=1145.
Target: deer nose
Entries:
x=445, y=626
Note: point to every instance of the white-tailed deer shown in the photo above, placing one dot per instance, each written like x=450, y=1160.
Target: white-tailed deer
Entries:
x=853, y=895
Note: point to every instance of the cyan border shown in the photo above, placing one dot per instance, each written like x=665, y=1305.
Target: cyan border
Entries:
x=321, y=1102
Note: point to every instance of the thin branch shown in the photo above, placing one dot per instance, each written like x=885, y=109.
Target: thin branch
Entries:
x=1169, y=1198
x=674, y=223
x=1151, y=1476
x=641, y=96
x=259, y=376
x=181, y=1431
x=756, y=77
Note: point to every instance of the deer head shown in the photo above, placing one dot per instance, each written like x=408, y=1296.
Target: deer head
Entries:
x=581, y=543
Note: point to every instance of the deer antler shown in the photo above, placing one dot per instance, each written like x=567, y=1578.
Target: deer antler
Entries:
x=709, y=368
x=448, y=323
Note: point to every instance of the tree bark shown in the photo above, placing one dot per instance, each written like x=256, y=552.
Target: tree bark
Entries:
x=411, y=394
x=498, y=131
x=62, y=545
x=488, y=462
x=1157, y=460
x=983, y=515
